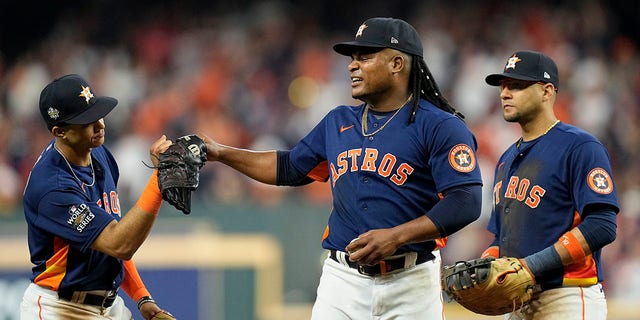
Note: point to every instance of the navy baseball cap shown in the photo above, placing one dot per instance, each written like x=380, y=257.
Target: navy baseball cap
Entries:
x=527, y=65
x=380, y=33
x=70, y=100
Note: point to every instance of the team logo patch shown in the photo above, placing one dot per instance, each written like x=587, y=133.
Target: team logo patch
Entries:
x=86, y=93
x=80, y=216
x=360, y=30
x=600, y=181
x=462, y=158
x=53, y=113
x=511, y=63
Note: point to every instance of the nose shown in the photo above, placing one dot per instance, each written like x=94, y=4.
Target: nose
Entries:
x=100, y=123
x=504, y=92
x=353, y=65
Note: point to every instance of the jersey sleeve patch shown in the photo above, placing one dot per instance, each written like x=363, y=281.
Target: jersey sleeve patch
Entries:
x=462, y=158
x=80, y=216
x=600, y=181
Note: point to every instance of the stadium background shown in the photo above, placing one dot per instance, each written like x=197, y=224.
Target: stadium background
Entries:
x=260, y=74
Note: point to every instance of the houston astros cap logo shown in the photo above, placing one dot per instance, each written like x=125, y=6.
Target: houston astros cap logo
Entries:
x=600, y=181
x=362, y=27
x=511, y=63
x=86, y=93
x=461, y=158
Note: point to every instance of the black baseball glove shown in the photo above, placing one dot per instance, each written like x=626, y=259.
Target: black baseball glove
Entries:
x=179, y=171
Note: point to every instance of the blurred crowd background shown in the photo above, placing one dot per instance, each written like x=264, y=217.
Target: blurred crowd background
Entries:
x=261, y=74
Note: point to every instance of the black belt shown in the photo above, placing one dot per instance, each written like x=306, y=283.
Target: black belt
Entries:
x=87, y=297
x=385, y=266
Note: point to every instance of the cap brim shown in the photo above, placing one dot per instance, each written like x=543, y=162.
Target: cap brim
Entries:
x=100, y=108
x=494, y=79
x=347, y=48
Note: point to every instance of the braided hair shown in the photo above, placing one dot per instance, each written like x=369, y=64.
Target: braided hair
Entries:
x=423, y=85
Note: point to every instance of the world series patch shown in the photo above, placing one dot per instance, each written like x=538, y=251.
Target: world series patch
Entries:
x=80, y=216
x=600, y=181
x=462, y=158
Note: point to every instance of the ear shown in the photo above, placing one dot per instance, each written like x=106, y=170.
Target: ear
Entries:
x=398, y=63
x=549, y=90
x=58, y=132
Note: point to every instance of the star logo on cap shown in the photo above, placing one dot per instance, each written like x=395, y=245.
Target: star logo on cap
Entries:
x=511, y=63
x=362, y=27
x=53, y=113
x=86, y=93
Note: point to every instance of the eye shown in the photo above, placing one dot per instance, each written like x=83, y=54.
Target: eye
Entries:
x=516, y=84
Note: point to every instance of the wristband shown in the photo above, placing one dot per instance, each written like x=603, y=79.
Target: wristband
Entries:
x=151, y=199
x=144, y=300
x=571, y=243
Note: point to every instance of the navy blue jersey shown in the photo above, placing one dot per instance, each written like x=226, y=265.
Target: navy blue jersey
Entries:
x=388, y=178
x=64, y=218
x=540, y=191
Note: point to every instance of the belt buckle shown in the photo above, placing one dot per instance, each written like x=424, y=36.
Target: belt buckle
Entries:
x=381, y=269
x=109, y=299
x=363, y=271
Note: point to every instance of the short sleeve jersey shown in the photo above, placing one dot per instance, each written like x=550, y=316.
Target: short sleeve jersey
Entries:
x=388, y=178
x=64, y=217
x=540, y=191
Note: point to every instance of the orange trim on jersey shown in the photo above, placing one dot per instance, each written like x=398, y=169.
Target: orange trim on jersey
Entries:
x=441, y=243
x=132, y=283
x=493, y=251
x=326, y=233
x=56, y=267
x=576, y=219
x=583, y=273
x=320, y=172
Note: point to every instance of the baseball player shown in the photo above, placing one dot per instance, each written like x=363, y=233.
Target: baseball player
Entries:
x=80, y=244
x=403, y=176
x=554, y=198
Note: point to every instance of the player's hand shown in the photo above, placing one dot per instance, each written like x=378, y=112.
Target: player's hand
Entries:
x=158, y=147
x=150, y=309
x=213, y=148
x=372, y=246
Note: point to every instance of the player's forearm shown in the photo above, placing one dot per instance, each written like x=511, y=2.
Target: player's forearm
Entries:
x=417, y=230
x=258, y=165
x=121, y=239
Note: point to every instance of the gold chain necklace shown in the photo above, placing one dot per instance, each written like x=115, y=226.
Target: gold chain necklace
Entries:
x=553, y=125
x=93, y=173
x=366, y=113
x=549, y=129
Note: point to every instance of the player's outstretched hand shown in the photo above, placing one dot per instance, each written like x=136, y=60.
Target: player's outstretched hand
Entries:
x=213, y=147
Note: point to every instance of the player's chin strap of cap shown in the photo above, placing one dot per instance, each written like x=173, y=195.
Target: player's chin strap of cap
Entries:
x=391, y=264
x=101, y=298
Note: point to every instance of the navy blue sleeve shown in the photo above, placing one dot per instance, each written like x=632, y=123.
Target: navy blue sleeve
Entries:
x=287, y=175
x=460, y=206
x=598, y=226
